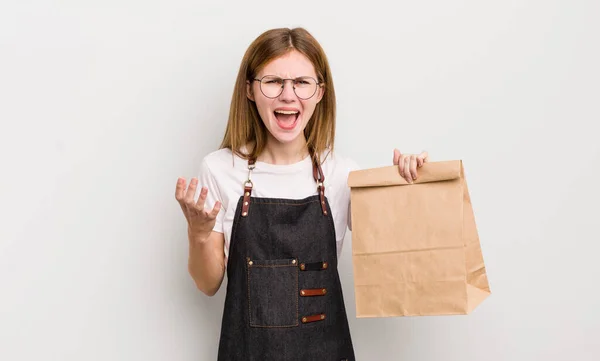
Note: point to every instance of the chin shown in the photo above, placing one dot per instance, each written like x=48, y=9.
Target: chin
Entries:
x=286, y=137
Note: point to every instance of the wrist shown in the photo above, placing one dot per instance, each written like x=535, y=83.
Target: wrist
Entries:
x=197, y=239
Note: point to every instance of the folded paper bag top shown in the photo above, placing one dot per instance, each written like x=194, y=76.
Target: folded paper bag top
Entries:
x=390, y=175
x=415, y=247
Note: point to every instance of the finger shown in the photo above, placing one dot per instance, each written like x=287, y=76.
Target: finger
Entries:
x=215, y=211
x=424, y=156
x=201, y=199
x=396, y=158
x=413, y=166
x=180, y=194
x=401, y=164
x=179, y=189
x=191, y=191
x=407, y=174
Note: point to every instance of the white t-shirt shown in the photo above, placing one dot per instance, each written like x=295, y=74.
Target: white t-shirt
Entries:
x=224, y=174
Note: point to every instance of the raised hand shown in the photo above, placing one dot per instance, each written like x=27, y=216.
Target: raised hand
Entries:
x=200, y=220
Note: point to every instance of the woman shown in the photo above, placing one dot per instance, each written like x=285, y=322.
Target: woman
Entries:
x=271, y=208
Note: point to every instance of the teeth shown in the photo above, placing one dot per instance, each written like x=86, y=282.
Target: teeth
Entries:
x=287, y=111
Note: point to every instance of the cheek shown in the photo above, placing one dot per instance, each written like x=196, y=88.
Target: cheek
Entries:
x=309, y=109
x=263, y=108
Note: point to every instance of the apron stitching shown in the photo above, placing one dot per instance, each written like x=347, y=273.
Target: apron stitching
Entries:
x=295, y=293
x=291, y=204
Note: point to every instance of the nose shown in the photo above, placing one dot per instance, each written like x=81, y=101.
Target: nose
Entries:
x=288, y=93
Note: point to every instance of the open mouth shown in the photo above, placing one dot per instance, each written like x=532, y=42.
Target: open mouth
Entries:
x=287, y=119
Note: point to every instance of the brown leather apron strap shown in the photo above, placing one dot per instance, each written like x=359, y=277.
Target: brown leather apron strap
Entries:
x=248, y=188
x=320, y=179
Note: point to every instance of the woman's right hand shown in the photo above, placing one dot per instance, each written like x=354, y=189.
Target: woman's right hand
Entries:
x=200, y=221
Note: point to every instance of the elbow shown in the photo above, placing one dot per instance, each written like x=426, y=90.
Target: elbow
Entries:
x=204, y=288
x=207, y=279
x=210, y=294
x=209, y=291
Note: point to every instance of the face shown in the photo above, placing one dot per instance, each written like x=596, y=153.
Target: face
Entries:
x=286, y=116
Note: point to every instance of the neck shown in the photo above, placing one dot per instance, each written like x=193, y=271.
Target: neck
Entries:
x=282, y=154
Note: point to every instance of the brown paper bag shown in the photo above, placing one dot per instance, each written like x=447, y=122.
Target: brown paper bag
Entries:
x=415, y=247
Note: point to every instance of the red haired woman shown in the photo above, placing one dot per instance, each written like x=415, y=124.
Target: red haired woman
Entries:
x=271, y=208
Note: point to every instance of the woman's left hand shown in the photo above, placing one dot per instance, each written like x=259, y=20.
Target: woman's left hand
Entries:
x=408, y=164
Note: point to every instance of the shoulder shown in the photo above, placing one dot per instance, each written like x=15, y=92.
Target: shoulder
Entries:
x=218, y=157
x=220, y=161
x=223, y=172
x=216, y=166
x=337, y=162
x=336, y=168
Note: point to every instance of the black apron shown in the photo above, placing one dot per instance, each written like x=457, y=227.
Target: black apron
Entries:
x=284, y=298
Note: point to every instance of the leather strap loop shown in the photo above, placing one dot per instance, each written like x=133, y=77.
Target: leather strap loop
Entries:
x=313, y=292
x=313, y=318
x=248, y=188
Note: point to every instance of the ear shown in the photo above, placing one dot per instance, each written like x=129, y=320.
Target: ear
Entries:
x=249, y=92
x=320, y=93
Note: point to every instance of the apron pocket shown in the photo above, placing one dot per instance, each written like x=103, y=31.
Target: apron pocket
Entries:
x=273, y=292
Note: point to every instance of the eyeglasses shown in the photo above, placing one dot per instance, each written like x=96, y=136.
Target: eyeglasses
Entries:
x=305, y=87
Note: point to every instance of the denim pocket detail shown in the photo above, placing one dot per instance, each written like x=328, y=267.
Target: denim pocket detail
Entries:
x=273, y=292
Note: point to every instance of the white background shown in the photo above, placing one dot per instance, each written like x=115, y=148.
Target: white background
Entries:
x=105, y=103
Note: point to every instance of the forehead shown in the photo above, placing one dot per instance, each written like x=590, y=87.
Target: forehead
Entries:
x=290, y=65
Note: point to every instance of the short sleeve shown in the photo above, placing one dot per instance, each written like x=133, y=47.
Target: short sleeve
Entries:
x=352, y=166
x=207, y=179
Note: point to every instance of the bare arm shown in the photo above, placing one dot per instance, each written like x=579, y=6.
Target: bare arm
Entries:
x=206, y=261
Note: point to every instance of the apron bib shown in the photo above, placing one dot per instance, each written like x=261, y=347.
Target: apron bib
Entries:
x=284, y=298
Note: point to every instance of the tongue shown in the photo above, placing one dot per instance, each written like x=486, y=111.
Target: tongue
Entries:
x=286, y=118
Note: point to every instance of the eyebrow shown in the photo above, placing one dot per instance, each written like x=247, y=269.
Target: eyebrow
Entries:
x=280, y=77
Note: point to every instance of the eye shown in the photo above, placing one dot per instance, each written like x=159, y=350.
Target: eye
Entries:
x=271, y=80
x=305, y=82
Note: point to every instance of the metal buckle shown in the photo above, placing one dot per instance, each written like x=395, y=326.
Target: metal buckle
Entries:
x=249, y=181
